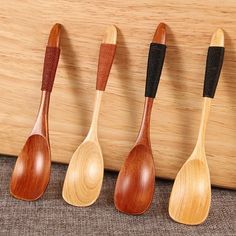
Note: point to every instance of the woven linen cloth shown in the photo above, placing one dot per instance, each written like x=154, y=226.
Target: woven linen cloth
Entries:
x=51, y=215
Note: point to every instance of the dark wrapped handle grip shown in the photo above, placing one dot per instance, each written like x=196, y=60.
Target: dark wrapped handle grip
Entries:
x=106, y=56
x=50, y=66
x=155, y=63
x=214, y=62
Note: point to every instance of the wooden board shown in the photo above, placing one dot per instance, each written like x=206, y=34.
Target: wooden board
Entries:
x=176, y=114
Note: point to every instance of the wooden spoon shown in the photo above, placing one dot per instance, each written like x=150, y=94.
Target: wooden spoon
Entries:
x=135, y=184
x=191, y=194
x=30, y=176
x=84, y=176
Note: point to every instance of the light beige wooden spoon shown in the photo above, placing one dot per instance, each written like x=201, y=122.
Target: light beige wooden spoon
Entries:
x=84, y=176
x=191, y=194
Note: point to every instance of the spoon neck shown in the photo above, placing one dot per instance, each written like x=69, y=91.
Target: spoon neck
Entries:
x=41, y=124
x=144, y=132
x=204, y=118
x=92, y=134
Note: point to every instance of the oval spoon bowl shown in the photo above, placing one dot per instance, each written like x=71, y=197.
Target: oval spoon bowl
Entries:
x=135, y=183
x=84, y=177
x=32, y=169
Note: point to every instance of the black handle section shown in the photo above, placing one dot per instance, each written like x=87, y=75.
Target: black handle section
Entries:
x=215, y=57
x=155, y=63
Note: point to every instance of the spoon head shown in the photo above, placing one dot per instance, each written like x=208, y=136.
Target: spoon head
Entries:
x=135, y=184
x=191, y=194
x=32, y=169
x=84, y=176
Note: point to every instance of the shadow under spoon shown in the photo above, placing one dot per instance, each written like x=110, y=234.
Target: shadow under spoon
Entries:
x=135, y=183
x=31, y=173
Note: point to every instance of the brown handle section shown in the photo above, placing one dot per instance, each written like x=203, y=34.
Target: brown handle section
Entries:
x=50, y=66
x=106, y=56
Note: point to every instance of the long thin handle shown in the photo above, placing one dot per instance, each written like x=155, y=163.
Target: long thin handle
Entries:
x=92, y=134
x=155, y=63
x=214, y=64
x=106, y=57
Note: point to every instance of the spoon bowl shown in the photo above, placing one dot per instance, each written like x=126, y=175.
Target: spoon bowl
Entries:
x=193, y=196
x=136, y=181
x=84, y=177
x=191, y=193
x=32, y=169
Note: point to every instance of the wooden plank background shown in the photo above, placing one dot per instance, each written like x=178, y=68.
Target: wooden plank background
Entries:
x=176, y=113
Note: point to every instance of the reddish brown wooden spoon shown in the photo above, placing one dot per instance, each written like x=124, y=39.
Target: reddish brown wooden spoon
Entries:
x=135, y=184
x=31, y=174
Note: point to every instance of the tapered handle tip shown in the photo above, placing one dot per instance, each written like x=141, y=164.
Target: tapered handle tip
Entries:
x=54, y=36
x=217, y=39
x=160, y=34
x=110, y=36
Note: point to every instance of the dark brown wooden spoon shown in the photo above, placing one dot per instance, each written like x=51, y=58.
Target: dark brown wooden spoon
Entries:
x=135, y=184
x=31, y=173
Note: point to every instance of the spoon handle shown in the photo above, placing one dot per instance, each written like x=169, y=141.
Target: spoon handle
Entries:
x=214, y=62
x=50, y=66
x=51, y=58
x=155, y=63
x=106, y=56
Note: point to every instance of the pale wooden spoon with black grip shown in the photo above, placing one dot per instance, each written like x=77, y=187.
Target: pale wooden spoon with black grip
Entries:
x=191, y=194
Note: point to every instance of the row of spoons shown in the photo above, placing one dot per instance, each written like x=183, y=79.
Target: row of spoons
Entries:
x=191, y=193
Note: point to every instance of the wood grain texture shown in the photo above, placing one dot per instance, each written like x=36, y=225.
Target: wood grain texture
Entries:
x=191, y=194
x=175, y=117
x=135, y=183
x=83, y=181
x=31, y=173
x=190, y=198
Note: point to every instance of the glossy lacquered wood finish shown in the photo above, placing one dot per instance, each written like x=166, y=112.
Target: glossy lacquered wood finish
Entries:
x=54, y=39
x=31, y=173
x=135, y=183
x=83, y=180
x=191, y=194
x=160, y=34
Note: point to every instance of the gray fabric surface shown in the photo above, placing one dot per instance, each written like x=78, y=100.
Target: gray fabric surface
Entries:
x=52, y=216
